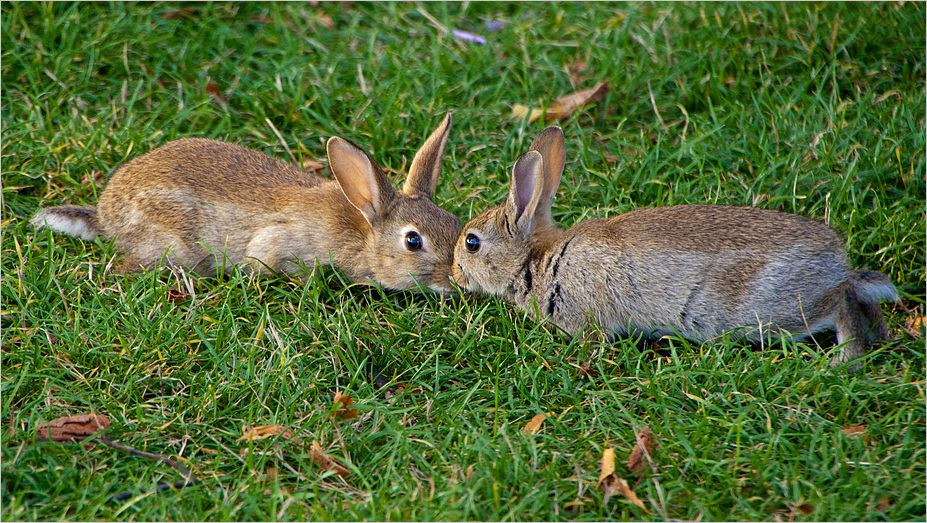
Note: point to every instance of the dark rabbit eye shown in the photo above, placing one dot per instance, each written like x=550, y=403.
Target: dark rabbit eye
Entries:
x=413, y=241
x=472, y=242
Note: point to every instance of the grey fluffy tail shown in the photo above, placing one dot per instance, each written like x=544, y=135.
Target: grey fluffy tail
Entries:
x=873, y=287
x=74, y=220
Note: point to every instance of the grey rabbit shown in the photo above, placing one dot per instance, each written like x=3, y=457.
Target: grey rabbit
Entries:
x=205, y=205
x=692, y=270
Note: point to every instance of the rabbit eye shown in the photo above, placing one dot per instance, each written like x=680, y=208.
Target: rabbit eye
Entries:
x=413, y=241
x=472, y=243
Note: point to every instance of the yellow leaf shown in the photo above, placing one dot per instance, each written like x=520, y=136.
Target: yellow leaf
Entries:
x=534, y=426
x=608, y=465
x=519, y=112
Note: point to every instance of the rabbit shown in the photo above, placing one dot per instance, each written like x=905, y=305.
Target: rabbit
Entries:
x=205, y=205
x=695, y=271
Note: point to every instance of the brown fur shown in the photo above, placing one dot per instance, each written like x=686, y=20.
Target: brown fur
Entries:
x=207, y=205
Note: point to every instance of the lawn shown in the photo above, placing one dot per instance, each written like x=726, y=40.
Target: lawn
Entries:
x=814, y=109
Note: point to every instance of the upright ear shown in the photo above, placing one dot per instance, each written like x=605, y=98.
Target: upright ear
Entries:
x=426, y=166
x=551, y=145
x=361, y=179
x=525, y=191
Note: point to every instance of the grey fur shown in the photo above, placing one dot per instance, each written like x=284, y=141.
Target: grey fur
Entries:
x=207, y=205
x=693, y=270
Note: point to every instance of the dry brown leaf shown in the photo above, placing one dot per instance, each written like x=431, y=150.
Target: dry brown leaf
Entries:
x=212, y=88
x=638, y=453
x=312, y=166
x=264, y=432
x=884, y=503
x=564, y=106
x=72, y=428
x=805, y=508
x=327, y=462
x=856, y=431
x=534, y=426
x=571, y=102
x=342, y=411
x=586, y=370
x=629, y=494
x=176, y=295
x=325, y=20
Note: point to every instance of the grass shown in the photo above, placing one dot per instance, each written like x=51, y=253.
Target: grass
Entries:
x=813, y=109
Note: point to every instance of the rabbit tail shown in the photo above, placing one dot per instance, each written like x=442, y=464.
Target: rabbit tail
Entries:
x=73, y=220
x=858, y=317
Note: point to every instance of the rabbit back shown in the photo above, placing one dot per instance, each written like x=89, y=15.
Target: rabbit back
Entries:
x=699, y=271
x=198, y=197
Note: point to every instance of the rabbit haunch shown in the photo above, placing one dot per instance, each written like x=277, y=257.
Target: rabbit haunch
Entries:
x=693, y=270
x=206, y=205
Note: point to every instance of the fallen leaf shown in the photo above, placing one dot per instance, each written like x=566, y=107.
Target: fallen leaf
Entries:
x=264, y=432
x=564, y=106
x=519, y=112
x=629, y=494
x=178, y=14
x=312, y=165
x=884, y=503
x=608, y=481
x=175, y=295
x=574, y=69
x=534, y=426
x=856, y=431
x=608, y=464
x=325, y=20
x=586, y=370
x=342, y=411
x=212, y=88
x=915, y=325
x=805, y=508
x=639, y=453
x=327, y=462
x=72, y=428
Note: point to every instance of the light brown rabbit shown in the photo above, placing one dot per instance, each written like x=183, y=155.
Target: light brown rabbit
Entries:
x=692, y=270
x=206, y=205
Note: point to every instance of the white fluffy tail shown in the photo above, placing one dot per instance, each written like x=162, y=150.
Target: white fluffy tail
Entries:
x=73, y=220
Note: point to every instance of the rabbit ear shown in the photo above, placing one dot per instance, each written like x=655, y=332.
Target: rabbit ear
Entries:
x=526, y=188
x=361, y=179
x=551, y=145
x=426, y=166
